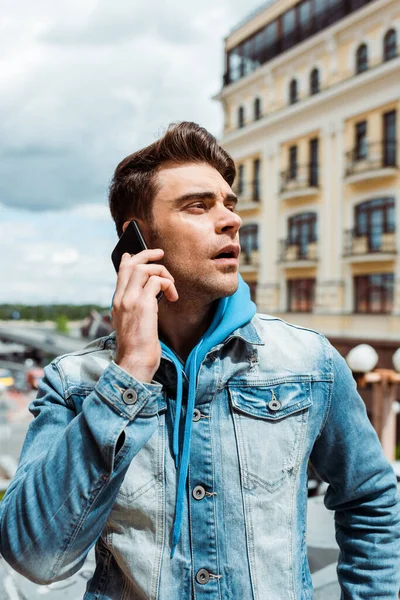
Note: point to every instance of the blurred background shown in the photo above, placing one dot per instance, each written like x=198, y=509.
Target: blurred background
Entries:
x=306, y=98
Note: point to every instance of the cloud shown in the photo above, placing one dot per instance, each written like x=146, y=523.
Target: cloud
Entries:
x=83, y=84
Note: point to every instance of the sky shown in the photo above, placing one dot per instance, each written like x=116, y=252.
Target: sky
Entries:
x=84, y=83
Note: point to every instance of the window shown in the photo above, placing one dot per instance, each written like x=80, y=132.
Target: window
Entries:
x=256, y=180
x=293, y=162
x=253, y=289
x=302, y=231
x=373, y=219
x=257, y=109
x=361, y=143
x=390, y=45
x=241, y=117
x=288, y=28
x=314, y=82
x=313, y=175
x=294, y=25
x=248, y=240
x=389, y=139
x=362, y=59
x=301, y=294
x=240, y=182
x=374, y=293
x=293, y=92
x=305, y=19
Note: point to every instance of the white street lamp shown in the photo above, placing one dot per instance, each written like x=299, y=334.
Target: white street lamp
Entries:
x=396, y=360
x=362, y=358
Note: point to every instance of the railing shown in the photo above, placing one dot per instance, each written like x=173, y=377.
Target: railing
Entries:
x=249, y=258
x=249, y=191
x=317, y=22
x=375, y=242
x=299, y=177
x=291, y=252
x=371, y=157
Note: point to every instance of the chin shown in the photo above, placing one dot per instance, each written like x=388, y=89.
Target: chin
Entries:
x=228, y=286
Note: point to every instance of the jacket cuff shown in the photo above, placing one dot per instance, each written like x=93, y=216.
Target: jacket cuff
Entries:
x=128, y=396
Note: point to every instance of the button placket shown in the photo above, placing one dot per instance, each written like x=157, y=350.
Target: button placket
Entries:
x=202, y=513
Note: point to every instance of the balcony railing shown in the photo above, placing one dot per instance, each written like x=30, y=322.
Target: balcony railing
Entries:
x=249, y=191
x=249, y=258
x=300, y=178
x=371, y=157
x=293, y=252
x=360, y=245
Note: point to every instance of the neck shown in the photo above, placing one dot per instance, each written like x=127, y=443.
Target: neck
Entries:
x=181, y=324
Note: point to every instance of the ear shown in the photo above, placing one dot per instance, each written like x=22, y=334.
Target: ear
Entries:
x=125, y=225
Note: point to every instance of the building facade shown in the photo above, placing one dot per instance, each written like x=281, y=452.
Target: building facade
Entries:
x=311, y=100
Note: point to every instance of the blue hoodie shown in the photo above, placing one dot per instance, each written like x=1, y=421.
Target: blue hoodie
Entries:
x=231, y=312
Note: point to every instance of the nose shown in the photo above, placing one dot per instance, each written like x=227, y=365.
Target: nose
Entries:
x=227, y=220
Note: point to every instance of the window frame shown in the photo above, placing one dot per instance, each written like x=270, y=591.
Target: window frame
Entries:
x=362, y=59
x=390, y=45
x=296, y=288
x=293, y=91
x=364, y=288
x=241, y=117
x=315, y=84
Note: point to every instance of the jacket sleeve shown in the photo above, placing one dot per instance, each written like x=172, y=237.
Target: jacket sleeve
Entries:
x=362, y=491
x=71, y=467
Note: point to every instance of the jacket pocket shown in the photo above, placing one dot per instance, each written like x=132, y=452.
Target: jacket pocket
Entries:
x=270, y=424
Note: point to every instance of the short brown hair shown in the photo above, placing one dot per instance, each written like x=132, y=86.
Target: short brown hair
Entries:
x=134, y=184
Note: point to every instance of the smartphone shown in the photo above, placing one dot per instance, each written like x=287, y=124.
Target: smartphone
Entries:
x=131, y=241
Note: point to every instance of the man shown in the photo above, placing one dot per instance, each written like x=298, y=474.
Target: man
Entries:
x=179, y=445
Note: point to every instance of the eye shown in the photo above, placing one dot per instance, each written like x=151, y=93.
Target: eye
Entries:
x=200, y=205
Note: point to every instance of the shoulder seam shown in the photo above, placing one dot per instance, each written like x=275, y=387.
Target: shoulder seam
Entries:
x=293, y=325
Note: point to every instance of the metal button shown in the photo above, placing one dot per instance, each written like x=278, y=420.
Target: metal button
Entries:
x=199, y=492
x=129, y=396
x=274, y=405
x=203, y=576
x=196, y=415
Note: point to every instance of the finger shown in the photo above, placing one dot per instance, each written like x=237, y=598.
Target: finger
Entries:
x=156, y=284
x=138, y=279
x=128, y=263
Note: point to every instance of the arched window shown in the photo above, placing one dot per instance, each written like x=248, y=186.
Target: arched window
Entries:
x=293, y=92
x=257, y=109
x=314, y=81
x=241, y=116
x=390, y=45
x=362, y=58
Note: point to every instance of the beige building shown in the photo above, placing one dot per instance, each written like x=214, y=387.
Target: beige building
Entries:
x=311, y=101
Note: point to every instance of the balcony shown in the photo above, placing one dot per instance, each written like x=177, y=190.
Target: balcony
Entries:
x=249, y=260
x=374, y=161
x=249, y=195
x=297, y=255
x=360, y=248
x=299, y=182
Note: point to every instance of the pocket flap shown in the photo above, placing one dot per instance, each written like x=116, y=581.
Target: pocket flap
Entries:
x=272, y=402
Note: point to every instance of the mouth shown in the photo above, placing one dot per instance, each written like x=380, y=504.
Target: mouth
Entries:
x=228, y=255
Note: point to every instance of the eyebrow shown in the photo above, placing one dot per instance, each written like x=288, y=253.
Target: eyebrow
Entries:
x=203, y=196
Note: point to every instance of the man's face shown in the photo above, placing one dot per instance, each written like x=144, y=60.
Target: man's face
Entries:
x=194, y=220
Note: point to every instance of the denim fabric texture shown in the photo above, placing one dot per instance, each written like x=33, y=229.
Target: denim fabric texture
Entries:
x=96, y=470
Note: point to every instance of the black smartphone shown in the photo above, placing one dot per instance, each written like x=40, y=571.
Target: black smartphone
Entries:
x=131, y=241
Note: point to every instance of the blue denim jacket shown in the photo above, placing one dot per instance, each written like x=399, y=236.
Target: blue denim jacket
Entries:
x=97, y=468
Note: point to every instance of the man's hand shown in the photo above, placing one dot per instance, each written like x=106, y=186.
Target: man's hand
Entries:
x=135, y=312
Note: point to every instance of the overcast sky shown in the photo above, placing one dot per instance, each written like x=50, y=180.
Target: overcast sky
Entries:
x=83, y=83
